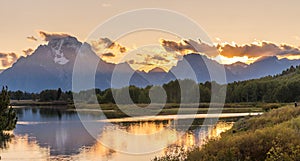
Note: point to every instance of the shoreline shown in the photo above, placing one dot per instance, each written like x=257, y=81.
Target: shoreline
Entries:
x=112, y=111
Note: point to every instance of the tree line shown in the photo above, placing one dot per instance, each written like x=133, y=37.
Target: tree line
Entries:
x=284, y=87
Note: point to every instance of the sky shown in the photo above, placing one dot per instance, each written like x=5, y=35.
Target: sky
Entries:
x=237, y=24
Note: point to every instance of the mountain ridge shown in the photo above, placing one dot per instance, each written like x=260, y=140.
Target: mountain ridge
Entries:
x=51, y=67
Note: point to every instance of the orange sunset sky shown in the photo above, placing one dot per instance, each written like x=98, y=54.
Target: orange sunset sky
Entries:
x=240, y=30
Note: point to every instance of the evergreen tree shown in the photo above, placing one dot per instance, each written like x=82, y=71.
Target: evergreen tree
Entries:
x=58, y=93
x=8, y=118
x=18, y=95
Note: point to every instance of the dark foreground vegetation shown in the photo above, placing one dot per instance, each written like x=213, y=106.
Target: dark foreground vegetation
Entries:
x=8, y=118
x=273, y=136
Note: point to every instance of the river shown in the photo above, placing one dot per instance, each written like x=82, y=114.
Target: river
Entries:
x=59, y=134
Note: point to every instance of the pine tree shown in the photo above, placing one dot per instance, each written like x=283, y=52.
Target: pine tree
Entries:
x=58, y=94
x=8, y=117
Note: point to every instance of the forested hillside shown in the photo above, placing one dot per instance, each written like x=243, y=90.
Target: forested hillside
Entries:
x=284, y=87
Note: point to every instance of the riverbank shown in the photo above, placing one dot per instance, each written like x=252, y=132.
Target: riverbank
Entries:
x=70, y=104
x=113, y=110
x=272, y=136
x=38, y=104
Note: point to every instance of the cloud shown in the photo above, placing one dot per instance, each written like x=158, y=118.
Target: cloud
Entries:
x=3, y=55
x=289, y=50
x=105, y=45
x=172, y=46
x=28, y=51
x=158, y=57
x=13, y=55
x=105, y=41
x=150, y=60
x=189, y=46
x=257, y=50
x=7, y=59
x=147, y=62
x=108, y=54
x=143, y=63
x=131, y=61
x=46, y=36
x=252, y=50
x=32, y=38
x=108, y=50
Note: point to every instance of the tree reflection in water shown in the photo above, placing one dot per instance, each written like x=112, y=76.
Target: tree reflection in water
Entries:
x=64, y=138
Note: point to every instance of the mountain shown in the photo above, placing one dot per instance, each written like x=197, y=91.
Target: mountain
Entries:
x=156, y=76
x=45, y=68
x=237, y=67
x=203, y=68
x=51, y=67
x=264, y=66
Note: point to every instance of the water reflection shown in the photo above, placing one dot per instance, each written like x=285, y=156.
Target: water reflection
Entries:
x=63, y=137
x=5, y=138
x=24, y=148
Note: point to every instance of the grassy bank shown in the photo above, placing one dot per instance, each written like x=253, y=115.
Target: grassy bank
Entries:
x=272, y=136
x=113, y=111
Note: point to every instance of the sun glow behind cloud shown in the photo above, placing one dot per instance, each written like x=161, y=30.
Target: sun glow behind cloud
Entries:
x=291, y=57
x=225, y=60
x=167, y=53
x=166, y=50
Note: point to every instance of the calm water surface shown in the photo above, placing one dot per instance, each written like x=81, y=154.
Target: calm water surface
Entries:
x=55, y=134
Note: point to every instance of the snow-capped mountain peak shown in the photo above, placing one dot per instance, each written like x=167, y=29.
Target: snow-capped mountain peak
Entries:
x=59, y=55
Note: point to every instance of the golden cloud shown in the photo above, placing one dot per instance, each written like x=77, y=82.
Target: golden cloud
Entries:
x=108, y=54
x=257, y=50
x=28, y=51
x=47, y=36
x=7, y=59
x=108, y=50
x=32, y=38
x=253, y=50
x=189, y=46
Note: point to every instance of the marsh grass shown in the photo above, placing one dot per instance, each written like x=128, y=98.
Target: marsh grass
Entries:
x=274, y=135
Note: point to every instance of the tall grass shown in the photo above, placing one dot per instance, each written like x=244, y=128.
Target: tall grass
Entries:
x=274, y=135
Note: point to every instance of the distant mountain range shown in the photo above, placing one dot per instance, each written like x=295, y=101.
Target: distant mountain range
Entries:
x=51, y=67
x=263, y=67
